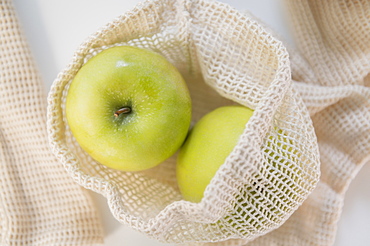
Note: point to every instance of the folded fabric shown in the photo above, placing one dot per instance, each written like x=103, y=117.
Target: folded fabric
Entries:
x=39, y=203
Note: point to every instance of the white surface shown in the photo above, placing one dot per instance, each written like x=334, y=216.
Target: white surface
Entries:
x=55, y=29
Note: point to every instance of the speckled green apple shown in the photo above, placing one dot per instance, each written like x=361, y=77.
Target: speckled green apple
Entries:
x=129, y=108
x=209, y=143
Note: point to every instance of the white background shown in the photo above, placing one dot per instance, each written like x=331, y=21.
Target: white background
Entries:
x=55, y=29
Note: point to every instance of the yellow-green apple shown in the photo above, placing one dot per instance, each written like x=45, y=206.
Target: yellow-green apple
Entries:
x=272, y=195
x=129, y=108
x=209, y=143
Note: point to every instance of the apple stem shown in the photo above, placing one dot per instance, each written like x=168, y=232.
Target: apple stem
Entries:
x=124, y=110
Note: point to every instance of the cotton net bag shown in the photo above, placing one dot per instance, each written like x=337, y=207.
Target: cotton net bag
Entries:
x=226, y=58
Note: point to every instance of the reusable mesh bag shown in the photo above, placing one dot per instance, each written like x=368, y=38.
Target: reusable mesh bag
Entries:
x=226, y=57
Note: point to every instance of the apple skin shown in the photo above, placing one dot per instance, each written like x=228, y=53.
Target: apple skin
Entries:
x=209, y=143
x=154, y=91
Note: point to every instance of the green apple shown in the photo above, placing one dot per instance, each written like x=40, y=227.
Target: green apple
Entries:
x=129, y=108
x=209, y=143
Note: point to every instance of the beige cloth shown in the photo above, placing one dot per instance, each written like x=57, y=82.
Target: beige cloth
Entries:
x=331, y=68
x=39, y=202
